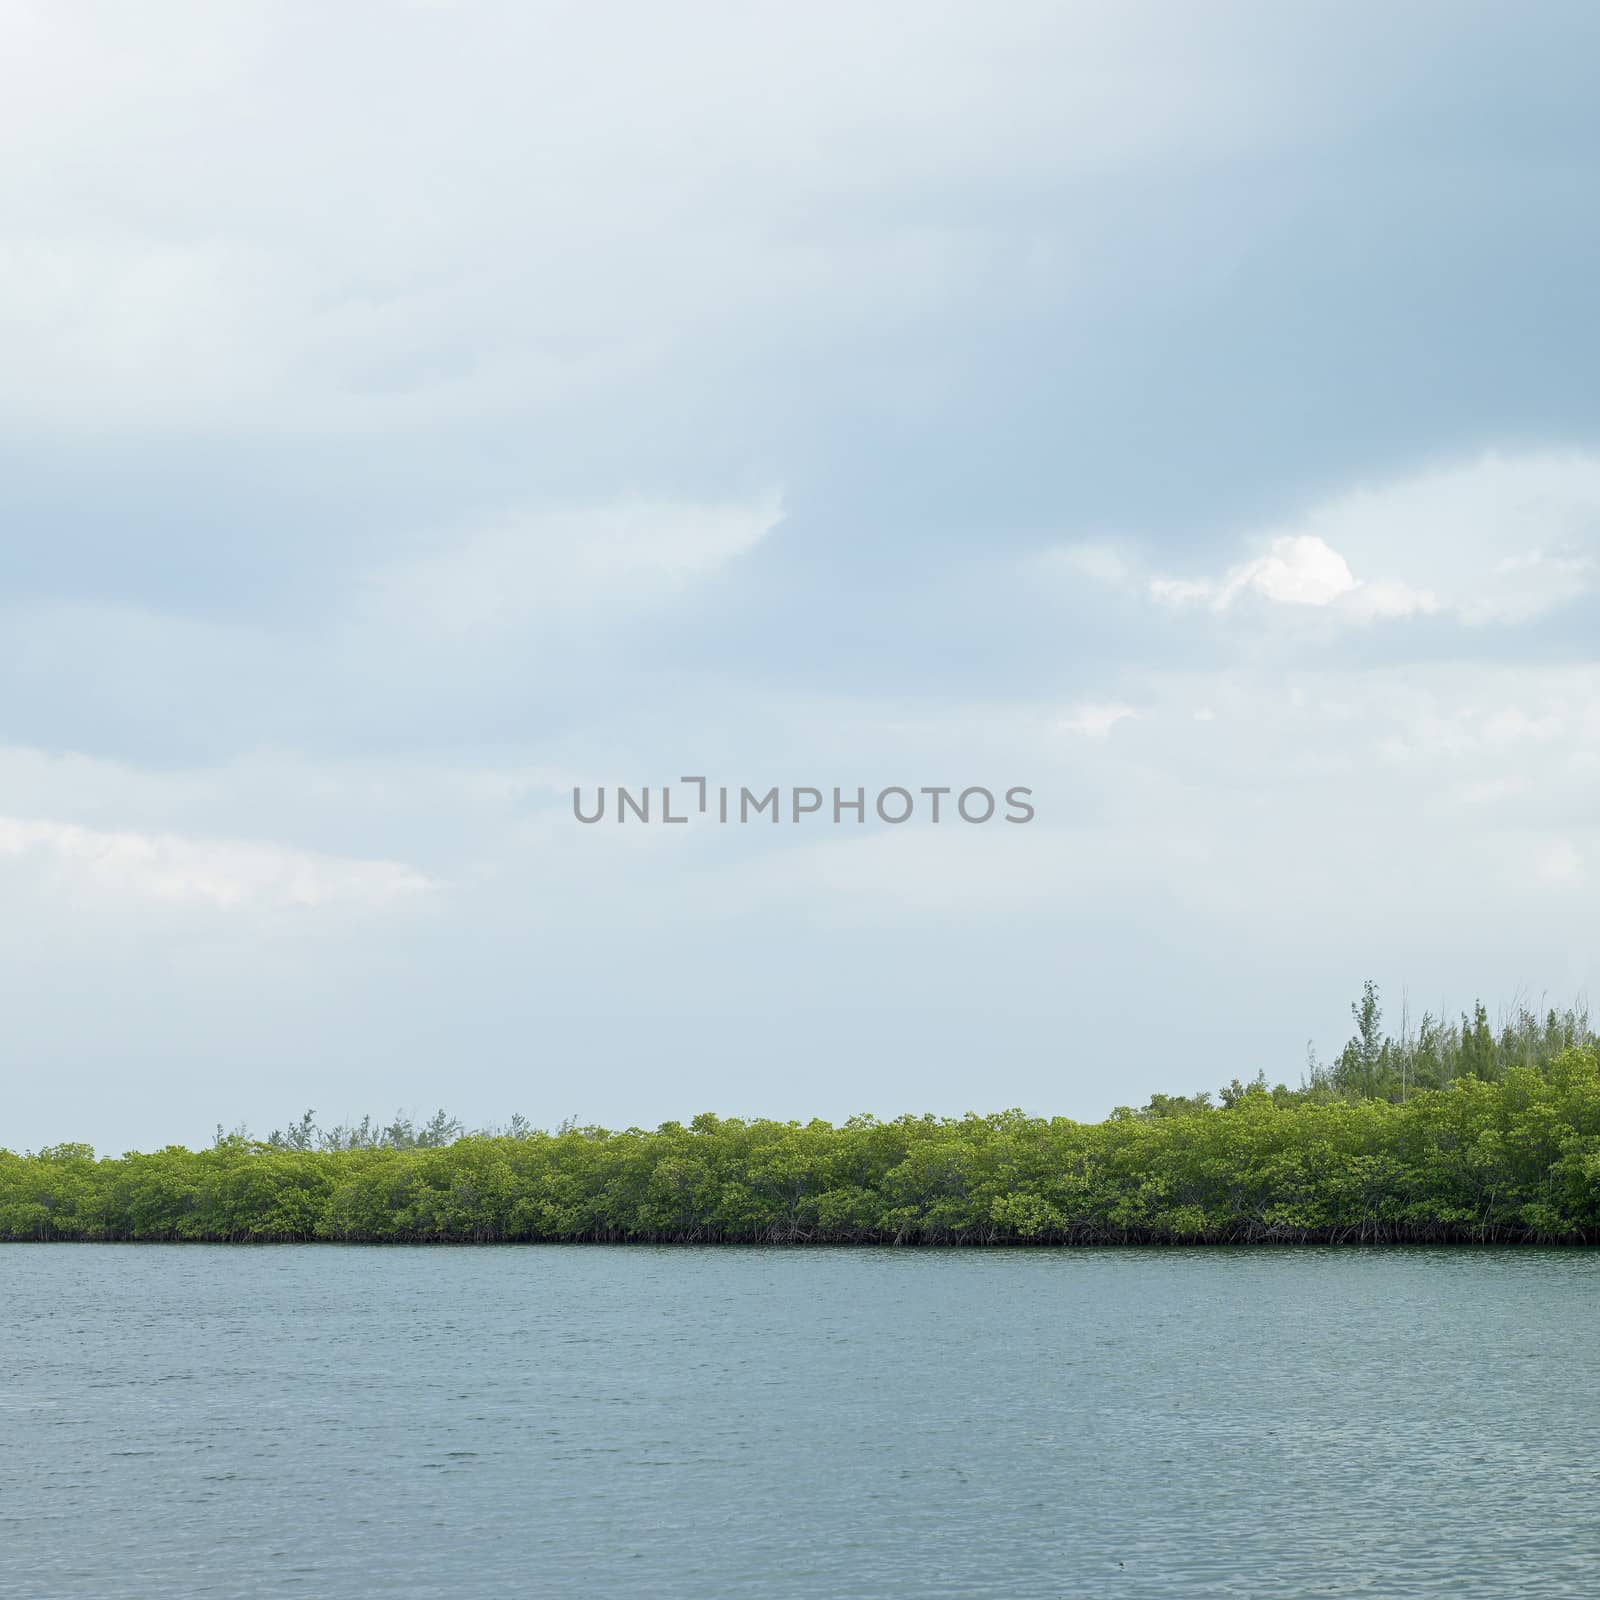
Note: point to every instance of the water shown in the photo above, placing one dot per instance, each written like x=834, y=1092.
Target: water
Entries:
x=339, y=1423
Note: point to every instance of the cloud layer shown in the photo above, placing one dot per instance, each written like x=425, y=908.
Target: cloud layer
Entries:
x=219, y=873
x=1496, y=540
x=1197, y=430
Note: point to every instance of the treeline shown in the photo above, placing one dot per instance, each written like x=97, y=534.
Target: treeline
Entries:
x=1436, y=1051
x=1433, y=1053
x=369, y=1134
x=1373, y=1065
x=1444, y=1132
x=1513, y=1160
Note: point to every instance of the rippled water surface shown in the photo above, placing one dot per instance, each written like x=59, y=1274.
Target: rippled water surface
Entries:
x=329, y=1422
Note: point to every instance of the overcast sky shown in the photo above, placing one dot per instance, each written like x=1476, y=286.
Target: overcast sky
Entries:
x=410, y=412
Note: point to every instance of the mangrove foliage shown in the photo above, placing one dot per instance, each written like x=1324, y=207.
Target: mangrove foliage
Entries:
x=1465, y=1134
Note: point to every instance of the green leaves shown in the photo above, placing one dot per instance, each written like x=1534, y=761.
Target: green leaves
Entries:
x=1515, y=1157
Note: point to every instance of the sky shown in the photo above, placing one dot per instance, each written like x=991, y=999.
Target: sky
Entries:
x=411, y=412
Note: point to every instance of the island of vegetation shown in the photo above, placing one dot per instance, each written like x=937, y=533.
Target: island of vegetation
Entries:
x=1453, y=1133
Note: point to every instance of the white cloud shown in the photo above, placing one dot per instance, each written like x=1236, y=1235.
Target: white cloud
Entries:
x=1297, y=570
x=223, y=873
x=1500, y=539
x=1095, y=721
x=1559, y=863
x=1512, y=725
x=1487, y=715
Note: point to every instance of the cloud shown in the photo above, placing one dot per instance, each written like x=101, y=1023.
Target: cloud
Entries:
x=425, y=648
x=380, y=403
x=1096, y=721
x=587, y=559
x=1503, y=538
x=291, y=230
x=1297, y=570
x=1559, y=863
x=1500, y=539
x=221, y=873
